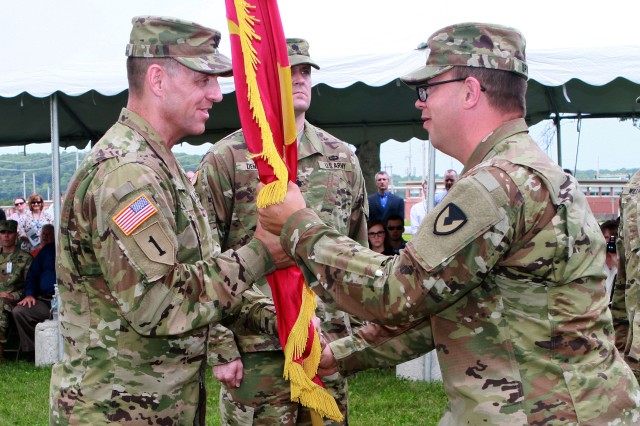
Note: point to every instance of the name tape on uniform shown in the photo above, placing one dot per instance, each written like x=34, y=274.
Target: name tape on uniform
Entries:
x=334, y=165
x=246, y=165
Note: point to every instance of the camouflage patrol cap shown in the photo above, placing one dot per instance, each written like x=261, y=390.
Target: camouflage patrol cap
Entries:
x=298, y=50
x=472, y=44
x=9, y=225
x=194, y=46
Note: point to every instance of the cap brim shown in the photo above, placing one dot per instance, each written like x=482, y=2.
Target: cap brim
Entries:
x=300, y=60
x=216, y=64
x=423, y=74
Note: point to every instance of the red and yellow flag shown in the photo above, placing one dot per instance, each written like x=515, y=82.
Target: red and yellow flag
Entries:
x=265, y=102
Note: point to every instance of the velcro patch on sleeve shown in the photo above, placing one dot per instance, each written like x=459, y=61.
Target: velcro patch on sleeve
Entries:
x=153, y=242
x=134, y=214
x=469, y=211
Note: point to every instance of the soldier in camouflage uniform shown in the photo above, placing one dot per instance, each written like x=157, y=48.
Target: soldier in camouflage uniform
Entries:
x=626, y=295
x=14, y=265
x=504, y=277
x=140, y=276
x=247, y=356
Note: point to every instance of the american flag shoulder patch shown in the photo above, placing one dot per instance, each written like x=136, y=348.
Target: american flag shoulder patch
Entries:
x=134, y=214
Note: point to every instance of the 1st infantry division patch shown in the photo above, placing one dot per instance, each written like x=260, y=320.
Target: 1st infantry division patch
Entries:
x=449, y=220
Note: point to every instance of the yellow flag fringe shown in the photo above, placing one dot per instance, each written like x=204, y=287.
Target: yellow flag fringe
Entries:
x=303, y=389
x=275, y=191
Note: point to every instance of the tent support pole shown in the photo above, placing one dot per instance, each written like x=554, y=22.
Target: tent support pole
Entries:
x=556, y=122
x=55, y=173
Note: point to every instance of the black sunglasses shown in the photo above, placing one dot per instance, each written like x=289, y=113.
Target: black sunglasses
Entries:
x=395, y=228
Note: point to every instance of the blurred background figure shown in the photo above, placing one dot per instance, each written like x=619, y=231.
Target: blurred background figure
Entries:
x=383, y=203
x=377, y=237
x=395, y=229
x=609, y=229
x=20, y=210
x=419, y=210
x=35, y=218
x=14, y=264
x=450, y=177
x=39, y=290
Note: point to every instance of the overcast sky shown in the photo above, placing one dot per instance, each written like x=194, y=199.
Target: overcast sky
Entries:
x=342, y=27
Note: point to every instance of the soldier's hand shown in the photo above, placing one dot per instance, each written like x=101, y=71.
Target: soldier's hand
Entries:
x=328, y=364
x=272, y=242
x=230, y=374
x=273, y=217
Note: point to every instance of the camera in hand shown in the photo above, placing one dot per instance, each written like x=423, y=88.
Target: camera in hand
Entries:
x=611, y=244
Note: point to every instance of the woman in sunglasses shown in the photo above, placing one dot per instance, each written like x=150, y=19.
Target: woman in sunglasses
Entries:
x=20, y=210
x=34, y=218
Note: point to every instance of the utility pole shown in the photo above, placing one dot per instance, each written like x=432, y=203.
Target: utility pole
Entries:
x=34, y=183
x=24, y=185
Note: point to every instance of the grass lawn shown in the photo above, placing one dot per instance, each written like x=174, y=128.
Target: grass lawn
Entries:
x=377, y=398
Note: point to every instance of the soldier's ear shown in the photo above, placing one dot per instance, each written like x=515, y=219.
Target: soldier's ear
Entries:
x=155, y=79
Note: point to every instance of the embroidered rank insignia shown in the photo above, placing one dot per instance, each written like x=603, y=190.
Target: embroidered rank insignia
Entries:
x=134, y=214
x=449, y=220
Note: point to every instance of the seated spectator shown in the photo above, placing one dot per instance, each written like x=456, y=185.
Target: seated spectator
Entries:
x=395, y=228
x=46, y=236
x=35, y=218
x=20, y=210
x=3, y=215
x=38, y=292
x=609, y=230
x=14, y=264
x=377, y=237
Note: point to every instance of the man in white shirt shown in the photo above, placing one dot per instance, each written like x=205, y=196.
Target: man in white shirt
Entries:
x=418, y=210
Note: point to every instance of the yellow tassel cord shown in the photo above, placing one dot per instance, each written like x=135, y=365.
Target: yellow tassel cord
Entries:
x=303, y=389
x=275, y=191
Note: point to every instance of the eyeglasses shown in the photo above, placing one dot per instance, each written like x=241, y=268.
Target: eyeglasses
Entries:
x=19, y=203
x=36, y=202
x=422, y=90
x=376, y=234
x=395, y=228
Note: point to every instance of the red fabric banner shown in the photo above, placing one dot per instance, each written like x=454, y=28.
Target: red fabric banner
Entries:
x=265, y=103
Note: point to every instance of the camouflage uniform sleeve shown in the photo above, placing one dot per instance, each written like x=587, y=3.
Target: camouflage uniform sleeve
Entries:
x=214, y=186
x=221, y=346
x=359, y=207
x=258, y=313
x=378, y=346
x=156, y=293
x=462, y=240
x=20, y=278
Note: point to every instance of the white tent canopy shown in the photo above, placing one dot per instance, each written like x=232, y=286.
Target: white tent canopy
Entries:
x=358, y=98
